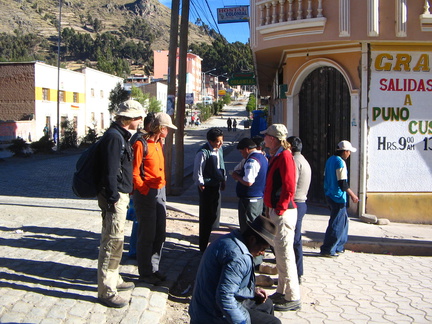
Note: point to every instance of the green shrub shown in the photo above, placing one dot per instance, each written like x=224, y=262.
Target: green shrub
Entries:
x=19, y=147
x=44, y=145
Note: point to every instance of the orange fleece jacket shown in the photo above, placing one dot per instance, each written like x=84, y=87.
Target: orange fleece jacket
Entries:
x=154, y=167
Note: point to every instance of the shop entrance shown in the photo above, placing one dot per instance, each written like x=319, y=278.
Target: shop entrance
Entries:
x=324, y=120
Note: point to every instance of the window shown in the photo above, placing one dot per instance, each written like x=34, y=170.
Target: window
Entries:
x=92, y=92
x=101, y=94
x=61, y=96
x=45, y=94
x=102, y=124
x=75, y=97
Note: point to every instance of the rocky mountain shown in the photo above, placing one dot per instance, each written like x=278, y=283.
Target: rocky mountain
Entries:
x=41, y=17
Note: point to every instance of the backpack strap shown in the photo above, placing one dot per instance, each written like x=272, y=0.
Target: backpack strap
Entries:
x=139, y=136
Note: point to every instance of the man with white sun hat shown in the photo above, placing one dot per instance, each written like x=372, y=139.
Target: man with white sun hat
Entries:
x=336, y=189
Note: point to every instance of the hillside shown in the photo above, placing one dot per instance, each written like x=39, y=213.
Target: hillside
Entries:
x=40, y=17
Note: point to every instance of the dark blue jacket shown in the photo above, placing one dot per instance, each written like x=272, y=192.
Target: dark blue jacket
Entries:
x=257, y=189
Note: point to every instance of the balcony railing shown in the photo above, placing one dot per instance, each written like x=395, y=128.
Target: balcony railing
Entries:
x=289, y=16
x=426, y=17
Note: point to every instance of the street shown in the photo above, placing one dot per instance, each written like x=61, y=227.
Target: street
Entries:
x=49, y=241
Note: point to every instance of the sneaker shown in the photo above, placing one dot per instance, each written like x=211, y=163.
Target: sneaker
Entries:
x=160, y=275
x=300, y=279
x=328, y=255
x=115, y=301
x=287, y=305
x=151, y=279
x=124, y=286
x=277, y=297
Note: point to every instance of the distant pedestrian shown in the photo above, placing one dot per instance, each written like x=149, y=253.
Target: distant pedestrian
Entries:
x=336, y=189
x=150, y=198
x=229, y=124
x=250, y=175
x=55, y=134
x=234, y=124
x=46, y=130
x=116, y=167
x=209, y=176
x=303, y=180
x=279, y=198
x=224, y=290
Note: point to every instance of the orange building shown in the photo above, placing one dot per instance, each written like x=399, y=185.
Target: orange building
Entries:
x=193, y=71
x=360, y=71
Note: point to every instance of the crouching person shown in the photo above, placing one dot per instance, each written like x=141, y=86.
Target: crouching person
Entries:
x=225, y=284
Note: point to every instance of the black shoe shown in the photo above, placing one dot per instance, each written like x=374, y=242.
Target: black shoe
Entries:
x=328, y=255
x=151, y=279
x=277, y=297
x=300, y=280
x=161, y=276
x=287, y=306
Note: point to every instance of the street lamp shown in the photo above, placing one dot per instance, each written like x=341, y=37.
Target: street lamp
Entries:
x=203, y=81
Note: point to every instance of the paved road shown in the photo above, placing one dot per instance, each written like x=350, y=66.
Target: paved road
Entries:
x=48, y=259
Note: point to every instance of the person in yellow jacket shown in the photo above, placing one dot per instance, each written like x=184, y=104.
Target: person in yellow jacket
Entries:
x=149, y=198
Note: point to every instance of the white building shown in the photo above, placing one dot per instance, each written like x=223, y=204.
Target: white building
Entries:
x=28, y=99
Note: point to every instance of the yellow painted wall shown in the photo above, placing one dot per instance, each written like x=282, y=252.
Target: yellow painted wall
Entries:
x=415, y=208
x=52, y=95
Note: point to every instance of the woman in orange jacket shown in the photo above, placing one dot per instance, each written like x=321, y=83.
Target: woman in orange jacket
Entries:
x=149, y=197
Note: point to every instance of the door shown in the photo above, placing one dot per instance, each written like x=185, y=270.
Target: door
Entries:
x=324, y=120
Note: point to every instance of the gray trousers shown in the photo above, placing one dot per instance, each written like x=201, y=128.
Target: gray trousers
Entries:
x=151, y=214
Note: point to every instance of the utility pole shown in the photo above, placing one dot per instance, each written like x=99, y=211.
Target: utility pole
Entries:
x=172, y=58
x=180, y=113
x=58, y=78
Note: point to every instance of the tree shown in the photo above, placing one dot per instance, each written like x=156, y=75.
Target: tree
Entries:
x=116, y=97
x=150, y=103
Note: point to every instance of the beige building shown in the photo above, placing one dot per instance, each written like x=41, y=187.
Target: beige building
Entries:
x=360, y=71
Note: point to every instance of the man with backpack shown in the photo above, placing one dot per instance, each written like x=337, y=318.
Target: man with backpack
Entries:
x=115, y=164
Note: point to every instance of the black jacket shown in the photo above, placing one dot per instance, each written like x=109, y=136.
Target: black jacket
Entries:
x=116, y=158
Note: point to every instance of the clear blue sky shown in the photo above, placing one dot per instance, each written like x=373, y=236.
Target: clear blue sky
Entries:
x=232, y=31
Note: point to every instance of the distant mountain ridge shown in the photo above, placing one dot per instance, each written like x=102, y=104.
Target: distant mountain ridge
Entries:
x=41, y=17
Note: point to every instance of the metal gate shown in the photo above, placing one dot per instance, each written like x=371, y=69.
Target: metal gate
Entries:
x=324, y=120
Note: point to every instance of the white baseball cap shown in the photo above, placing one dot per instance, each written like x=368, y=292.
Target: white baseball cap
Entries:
x=346, y=146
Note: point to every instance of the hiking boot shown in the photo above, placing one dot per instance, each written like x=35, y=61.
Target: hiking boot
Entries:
x=287, y=305
x=115, y=301
x=124, y=286
x=277, y=297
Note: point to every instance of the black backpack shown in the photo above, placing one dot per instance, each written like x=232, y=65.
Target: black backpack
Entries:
x=87, y=177
x=139, y=136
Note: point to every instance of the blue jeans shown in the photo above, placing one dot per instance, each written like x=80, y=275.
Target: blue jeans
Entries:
x=337, y=230
x=298, y=244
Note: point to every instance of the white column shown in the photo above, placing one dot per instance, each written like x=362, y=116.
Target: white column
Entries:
x=290, y=12
x=401, y=18
x=320, y=9
x=373, y=18
x=267, y=5
x=281, y=10
x=344, y=18
x=274, y=15
x=299, y=10
x=309, y=10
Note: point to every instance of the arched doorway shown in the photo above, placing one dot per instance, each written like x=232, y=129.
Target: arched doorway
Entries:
x=324, y=120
